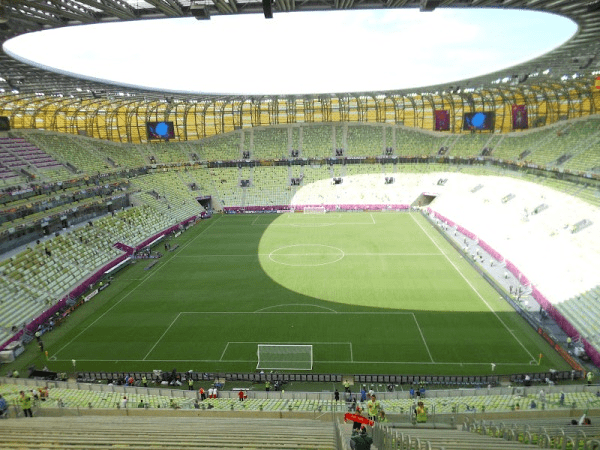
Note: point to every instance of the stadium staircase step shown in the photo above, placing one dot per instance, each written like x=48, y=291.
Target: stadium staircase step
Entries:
x=143, y=432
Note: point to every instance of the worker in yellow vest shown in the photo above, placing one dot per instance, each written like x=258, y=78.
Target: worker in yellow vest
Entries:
x=421, y=413
x=26, y=403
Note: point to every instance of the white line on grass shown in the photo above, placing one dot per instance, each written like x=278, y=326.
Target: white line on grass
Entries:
x=372, y=218
x=309, y=254
x=351, y=352
x=308, y=225
x=129, y=293
x=362, y=313
x=255, y=219
x=294, y=304
x=162, y=336
x=423, y=337
x=223, y=354
x=473, y=287
x=316, y=361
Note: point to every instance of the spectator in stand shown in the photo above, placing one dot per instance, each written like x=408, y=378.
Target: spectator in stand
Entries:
x=363, y=394
x=361, y=440
x=3, y=406
x=346, y=386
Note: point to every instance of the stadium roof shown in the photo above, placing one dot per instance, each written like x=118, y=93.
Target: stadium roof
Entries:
x=578, y=57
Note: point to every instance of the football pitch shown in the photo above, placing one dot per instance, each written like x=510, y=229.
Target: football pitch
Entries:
x=373, y=293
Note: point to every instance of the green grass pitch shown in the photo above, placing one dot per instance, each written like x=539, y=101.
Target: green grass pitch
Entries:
x=371, y=292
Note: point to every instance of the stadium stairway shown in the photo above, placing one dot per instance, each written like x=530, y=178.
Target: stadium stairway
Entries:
x=147, y=432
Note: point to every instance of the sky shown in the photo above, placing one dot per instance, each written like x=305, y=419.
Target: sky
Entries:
x=297, y=53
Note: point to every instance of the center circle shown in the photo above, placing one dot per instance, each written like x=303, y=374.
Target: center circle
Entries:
x=306, y=255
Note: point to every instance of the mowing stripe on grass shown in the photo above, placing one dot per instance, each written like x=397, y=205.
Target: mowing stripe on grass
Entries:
x=473, y=287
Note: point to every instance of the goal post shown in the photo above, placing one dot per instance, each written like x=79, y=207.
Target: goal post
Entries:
x=314, y=210
x=284, y=357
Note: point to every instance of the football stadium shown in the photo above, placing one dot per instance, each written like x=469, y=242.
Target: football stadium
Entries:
x=404, y=268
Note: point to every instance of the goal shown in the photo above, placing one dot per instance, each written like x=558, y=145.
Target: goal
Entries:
x=315, y=210
x=284, y=357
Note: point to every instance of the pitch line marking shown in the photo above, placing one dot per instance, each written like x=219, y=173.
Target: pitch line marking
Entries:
x=316, y=361
x=162, y=336
x=224, y=350
x=473, y=287
x=423, y=337
x=305, y=254
x=292, y=304
x=372, y=218
x=129, y=293
x=260, y=311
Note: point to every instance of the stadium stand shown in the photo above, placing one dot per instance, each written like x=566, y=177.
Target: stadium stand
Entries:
x=144, y=431
x=364, y=140
x=270, y=143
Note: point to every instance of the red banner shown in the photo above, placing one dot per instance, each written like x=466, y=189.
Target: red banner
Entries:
x=519, y=117
x=442, y=119
x=357, y=418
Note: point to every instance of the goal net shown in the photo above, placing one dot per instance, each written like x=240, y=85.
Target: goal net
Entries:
x=314, y=210
x=284, y=357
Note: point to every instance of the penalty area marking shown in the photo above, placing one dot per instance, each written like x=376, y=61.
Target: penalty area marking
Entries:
x=294, y=304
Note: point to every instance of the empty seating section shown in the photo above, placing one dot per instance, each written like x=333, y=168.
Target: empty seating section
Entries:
x=564, y=142
x=544, y=433
x=166, y=193
x=582, y=312
x=124, y=156
x=586, y=160
x=43, y=213
x=165, y=152
x=516, y=144
x=226, y=186
x=411, y=142
x=270, y=186
x=469, y=145
x=44, y=273
x=269, y=143
x=16, y=153
x=364, y=140
x=397, y=403
x=73, y=150
x=225, y=147
x=317, y=141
